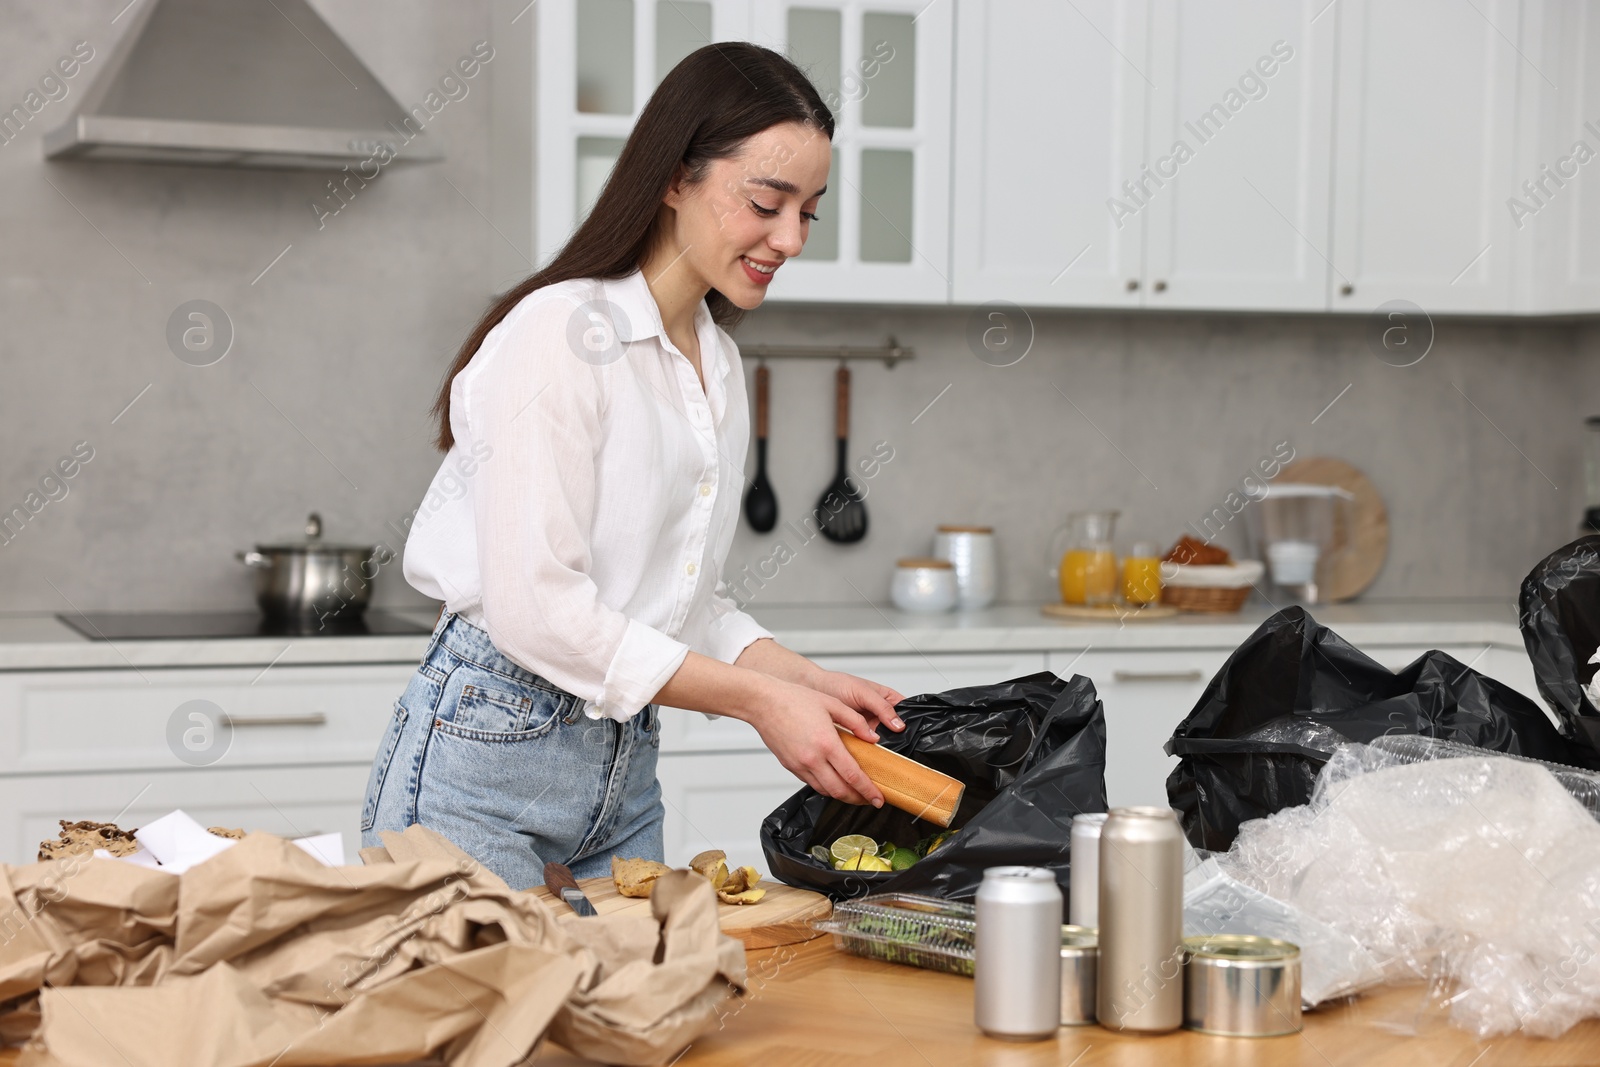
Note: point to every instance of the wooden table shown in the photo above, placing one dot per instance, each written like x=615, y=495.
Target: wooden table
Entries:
x=810, y=1006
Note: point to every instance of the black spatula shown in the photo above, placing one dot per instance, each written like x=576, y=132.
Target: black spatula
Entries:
x=842, y=512
x=760, y=502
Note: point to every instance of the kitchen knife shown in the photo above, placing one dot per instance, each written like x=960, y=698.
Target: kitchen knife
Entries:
x=558, y=876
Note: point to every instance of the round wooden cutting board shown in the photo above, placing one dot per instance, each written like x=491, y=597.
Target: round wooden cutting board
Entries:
x=782, y=917
x=1345, y=574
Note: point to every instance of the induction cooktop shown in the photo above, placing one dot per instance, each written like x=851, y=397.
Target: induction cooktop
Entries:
x=188, y=625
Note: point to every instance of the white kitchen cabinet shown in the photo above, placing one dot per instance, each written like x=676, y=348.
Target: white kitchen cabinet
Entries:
x=1049, y=123
x=1424, y=154
x=107, y=720
x=1235, y=189
x=596, y=64
x=718, y=801
x=913, y=674
x=884, y=69
x=290, y=802
x=1145, y=693
x=1552, y=201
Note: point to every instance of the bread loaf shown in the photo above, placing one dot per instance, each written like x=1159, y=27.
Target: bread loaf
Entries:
x=907, y=784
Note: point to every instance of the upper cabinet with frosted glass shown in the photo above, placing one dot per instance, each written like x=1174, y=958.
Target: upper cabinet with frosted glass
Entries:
x=884, y=70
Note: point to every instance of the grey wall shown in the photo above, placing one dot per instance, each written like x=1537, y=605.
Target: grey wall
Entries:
x=321, y=402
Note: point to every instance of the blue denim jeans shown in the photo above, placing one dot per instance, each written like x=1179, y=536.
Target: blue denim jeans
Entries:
x=506, y=765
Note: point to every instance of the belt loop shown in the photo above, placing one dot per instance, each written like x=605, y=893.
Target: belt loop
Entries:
x=440, y=625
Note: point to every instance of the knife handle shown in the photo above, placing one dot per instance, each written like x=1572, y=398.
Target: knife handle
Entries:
x=558, y=876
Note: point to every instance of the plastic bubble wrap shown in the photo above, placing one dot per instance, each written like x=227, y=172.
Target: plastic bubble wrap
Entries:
x=1467, y=866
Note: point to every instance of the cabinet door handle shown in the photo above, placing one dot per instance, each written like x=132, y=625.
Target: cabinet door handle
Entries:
x=1346, y=290
x=1133, y=284
x=315, y=718
x=1157, y=676
x=1161, y=285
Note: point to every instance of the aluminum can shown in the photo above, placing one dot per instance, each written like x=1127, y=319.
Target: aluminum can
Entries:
x=1140, y=987
x=1083, y=886
x=1080, y=956
x=1017, y=964
x=1241, y=986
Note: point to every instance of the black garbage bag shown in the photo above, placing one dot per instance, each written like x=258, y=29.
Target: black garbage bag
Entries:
x=1295, y=690
x=1561, y=627
x=1032, y=752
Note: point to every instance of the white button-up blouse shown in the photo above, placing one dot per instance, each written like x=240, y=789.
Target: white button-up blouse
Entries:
x=583, y=516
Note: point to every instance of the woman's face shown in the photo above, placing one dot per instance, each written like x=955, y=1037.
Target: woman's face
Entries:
x=753, y=211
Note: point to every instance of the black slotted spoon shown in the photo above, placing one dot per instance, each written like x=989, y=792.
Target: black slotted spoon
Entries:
x=760, y=502
x=842, y=512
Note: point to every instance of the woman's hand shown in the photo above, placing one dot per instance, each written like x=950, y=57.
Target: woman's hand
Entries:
x=872, y=700
x=797, y=724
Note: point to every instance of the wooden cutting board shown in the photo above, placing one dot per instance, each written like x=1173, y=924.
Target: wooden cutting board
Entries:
x=1364, y=543
x=1110, y=613
x=783, y=917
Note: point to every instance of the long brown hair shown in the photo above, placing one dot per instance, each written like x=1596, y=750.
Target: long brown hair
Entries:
x=703, y=110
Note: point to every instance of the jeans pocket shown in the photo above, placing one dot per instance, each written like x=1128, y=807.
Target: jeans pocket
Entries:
x=380, y=764
x=490, y=707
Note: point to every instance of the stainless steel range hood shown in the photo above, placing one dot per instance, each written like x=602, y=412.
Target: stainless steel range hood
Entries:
x=247, y=83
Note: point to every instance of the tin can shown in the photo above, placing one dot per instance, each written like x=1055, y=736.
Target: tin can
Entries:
x=1083, y=886
x=1241, y=986
x=1017, y=958
x=1140, y=986
x=1080, y=959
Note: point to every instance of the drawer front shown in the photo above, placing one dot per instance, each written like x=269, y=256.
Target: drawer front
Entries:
x=94, y=720
x=290, y=802
x=719, y=801
x=1146, y=694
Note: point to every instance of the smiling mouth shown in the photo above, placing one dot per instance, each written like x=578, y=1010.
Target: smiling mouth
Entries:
x=756, y=265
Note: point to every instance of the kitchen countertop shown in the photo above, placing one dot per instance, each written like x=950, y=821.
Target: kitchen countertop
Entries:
x=43, y=642
x=811, y=1006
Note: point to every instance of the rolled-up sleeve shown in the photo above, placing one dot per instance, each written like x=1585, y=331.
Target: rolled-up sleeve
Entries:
x=720, y=630
x=538, y=416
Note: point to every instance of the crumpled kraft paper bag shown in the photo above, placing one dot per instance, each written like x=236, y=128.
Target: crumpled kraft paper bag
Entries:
x=632, y=1007
x=261, y=956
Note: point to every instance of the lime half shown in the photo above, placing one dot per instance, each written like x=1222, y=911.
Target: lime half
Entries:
x=853, y=845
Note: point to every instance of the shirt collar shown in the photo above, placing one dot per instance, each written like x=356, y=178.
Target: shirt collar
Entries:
x=641, y=320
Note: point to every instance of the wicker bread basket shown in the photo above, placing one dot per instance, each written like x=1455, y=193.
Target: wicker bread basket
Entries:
x=1218, y=590
x=1205, y=598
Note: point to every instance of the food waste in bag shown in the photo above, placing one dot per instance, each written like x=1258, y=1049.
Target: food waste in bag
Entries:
x=1030, y=753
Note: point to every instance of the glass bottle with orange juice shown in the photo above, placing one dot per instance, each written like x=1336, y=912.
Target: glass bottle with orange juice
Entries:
x=1087, y=571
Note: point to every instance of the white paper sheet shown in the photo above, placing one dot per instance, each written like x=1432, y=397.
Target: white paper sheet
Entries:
x=179, y=842
x=328, y=848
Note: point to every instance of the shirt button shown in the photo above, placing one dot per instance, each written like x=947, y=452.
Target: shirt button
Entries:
x=688, y=568
x=705, y=490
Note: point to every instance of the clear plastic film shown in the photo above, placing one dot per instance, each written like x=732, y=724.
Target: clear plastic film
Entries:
x=1421, y=859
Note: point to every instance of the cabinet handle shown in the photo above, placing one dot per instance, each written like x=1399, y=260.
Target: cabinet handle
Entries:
x=315, y=718
x=1133, y=283
x=1346, y=290
x=1157, y=676
x=1161, y=285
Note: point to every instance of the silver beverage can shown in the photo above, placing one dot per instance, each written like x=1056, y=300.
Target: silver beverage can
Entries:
x=1083, y=886
x=1017, y=957
x=1080, y=958
x=1140, y=987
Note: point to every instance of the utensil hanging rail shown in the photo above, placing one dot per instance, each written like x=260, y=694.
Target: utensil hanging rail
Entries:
x=888, y=354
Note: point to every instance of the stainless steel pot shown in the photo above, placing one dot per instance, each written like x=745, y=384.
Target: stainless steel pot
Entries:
x=312, y=579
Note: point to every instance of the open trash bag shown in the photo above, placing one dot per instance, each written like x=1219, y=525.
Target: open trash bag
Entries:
x=1295, y=690
x=1032, y=754
x=1561, y=626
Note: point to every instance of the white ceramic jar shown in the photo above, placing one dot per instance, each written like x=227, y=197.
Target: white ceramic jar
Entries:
x=970, y=550
x=923, y=585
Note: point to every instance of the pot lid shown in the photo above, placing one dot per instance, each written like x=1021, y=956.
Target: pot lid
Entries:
x=313, y=541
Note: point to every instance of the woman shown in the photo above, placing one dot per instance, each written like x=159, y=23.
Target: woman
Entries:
x=596, y=418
